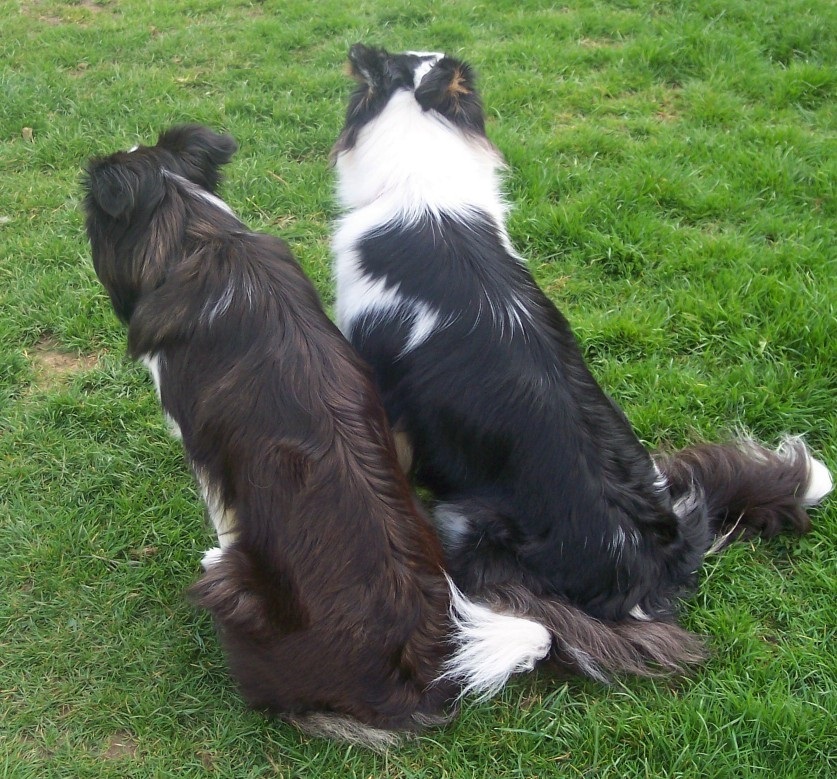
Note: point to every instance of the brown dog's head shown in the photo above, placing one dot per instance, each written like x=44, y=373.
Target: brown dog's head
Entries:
x=130, y=221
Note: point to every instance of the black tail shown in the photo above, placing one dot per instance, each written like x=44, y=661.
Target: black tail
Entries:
x=597, y=649
x=746, y=489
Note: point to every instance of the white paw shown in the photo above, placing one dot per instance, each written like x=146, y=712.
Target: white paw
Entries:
x=211, y=557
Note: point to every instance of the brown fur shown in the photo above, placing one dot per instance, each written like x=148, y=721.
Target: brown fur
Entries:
x=331, y=603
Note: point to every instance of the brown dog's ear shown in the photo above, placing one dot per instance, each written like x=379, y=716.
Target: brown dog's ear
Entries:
x=450, y=88
x=199, y=152
x=112, y=187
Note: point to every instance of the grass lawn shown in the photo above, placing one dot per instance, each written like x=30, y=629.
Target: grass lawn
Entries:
x=673, y=167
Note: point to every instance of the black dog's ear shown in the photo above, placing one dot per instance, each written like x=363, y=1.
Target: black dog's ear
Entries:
x=368, y=65
x=199, y=152
x=112, y=186
x=450, y=88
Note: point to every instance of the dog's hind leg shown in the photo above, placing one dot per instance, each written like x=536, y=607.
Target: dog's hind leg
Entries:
x=453, y=526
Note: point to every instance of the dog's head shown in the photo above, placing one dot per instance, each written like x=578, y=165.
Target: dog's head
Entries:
x=122, y=182
x=438, y=83
x=130, y=220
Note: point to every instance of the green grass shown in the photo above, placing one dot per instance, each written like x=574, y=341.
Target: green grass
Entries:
x=673, y=168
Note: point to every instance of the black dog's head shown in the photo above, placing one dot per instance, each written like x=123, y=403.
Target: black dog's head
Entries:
x=439, y=83
x=129, y=219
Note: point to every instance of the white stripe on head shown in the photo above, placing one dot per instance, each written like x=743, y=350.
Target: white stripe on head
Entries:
x=431, y=58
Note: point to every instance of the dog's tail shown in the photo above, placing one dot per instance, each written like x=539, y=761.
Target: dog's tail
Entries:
x=745, y=489
x=511, y=629
x=491, y=643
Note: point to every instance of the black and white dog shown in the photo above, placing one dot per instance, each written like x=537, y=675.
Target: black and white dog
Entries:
x=547, y=499
x=328, y=589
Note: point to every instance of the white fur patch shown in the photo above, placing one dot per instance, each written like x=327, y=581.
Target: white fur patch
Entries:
x=426, y=320
x=360, y=295
x=211, y=557
x=820, y=482
x=451, y=525
x=490, y=646
x=407, y=162
x=152, y=362
x=222, y=516
x=199, y=192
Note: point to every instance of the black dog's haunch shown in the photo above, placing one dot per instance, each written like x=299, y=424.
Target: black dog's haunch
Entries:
x=548, y=502
x=327, y=590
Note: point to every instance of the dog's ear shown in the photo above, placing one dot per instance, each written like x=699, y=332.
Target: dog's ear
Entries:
x=368, y=65
x=450, y=88
x=112, y=186
x=199, y=152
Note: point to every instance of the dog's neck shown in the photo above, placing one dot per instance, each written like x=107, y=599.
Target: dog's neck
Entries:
x=407, y=163
x=196, y=191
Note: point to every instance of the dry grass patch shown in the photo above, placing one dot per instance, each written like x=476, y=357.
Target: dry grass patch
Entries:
x=52, y=366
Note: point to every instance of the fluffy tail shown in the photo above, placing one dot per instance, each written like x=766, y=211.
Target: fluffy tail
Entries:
x=511, y=629
x=585, y=645
x=491, y=645
x=747, y=489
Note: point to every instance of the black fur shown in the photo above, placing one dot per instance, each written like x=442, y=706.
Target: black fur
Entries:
x=566, y=516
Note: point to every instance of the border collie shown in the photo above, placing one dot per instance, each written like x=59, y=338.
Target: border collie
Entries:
x=328, y=588
x=547, y=500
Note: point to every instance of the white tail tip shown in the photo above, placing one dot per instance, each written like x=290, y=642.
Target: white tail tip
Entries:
x=211, y=557
x=819, y=479
x=491, y=646
x=820, y=482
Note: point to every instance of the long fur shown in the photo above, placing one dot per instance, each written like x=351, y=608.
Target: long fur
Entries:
x=545, y=493
x=327, y=590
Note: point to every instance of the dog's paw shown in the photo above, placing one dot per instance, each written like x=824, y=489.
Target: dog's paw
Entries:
x=211, y=557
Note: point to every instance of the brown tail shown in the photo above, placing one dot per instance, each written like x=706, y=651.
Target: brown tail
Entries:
x=747, y=489
x=588, y=646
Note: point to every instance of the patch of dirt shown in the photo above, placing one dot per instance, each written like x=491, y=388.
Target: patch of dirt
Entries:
x=207, y=760
x=54, y=14
x=121, y=744
x=35, y=747
x=52, y=366
x=599, y=43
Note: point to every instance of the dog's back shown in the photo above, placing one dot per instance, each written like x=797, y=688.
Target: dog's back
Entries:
x=332, y=590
